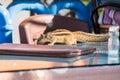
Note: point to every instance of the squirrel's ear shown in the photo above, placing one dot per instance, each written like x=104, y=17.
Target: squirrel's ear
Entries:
x=42, y=35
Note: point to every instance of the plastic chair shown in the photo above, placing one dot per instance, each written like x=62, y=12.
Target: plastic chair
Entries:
x=33, y=5
x=81, y=10
x=31, y=28
x=78, y=7
x=5, y=26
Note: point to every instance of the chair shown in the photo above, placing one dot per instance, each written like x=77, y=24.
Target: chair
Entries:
x=31, y=28
x=5, y=26
x=96, y=26
x=34, y=5
x=81, y=11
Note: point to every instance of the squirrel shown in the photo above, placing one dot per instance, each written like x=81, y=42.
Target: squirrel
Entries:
x=70, y=38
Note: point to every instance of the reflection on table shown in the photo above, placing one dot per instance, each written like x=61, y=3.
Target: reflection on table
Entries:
x=90, y=66
x=98, y=58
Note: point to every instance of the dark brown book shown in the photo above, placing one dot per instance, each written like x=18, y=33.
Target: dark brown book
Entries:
x=44, y=50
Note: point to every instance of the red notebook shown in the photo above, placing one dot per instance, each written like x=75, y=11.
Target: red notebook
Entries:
x=44, y=50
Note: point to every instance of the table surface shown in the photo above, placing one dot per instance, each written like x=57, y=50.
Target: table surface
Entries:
x=99, y=58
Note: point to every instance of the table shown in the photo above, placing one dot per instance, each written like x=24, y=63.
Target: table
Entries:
x=92, y=66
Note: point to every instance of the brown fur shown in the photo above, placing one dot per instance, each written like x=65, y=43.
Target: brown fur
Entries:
x=70, y=38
